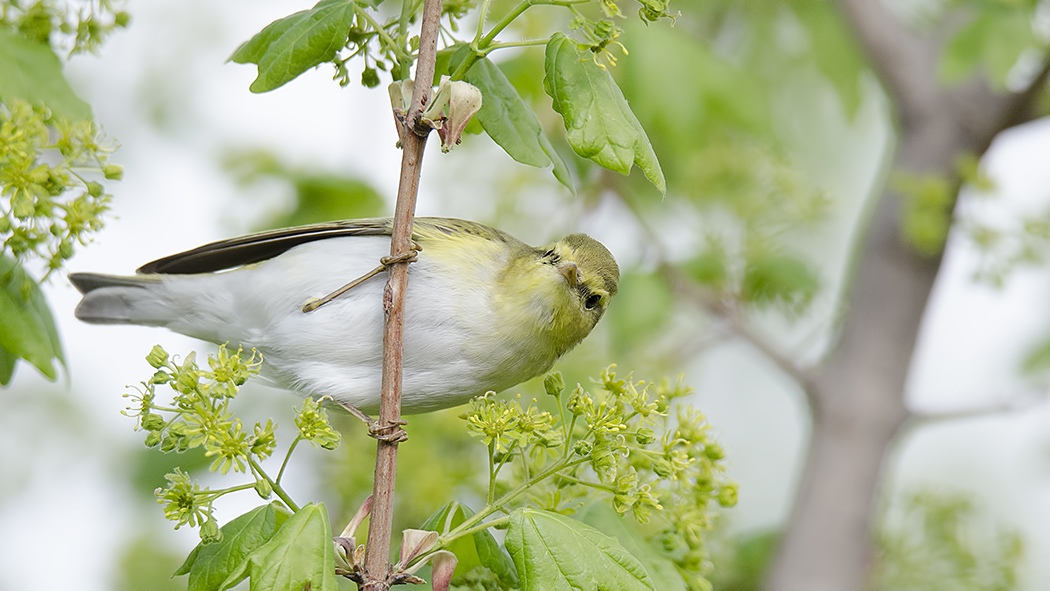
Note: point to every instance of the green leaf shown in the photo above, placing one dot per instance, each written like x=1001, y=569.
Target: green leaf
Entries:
x=778, y=278
x=508, y=119
x=1038, y=359
x=555, y=553
x=208, y=565
x=7, y=366
x=292, y=45
x=477, y=550
x=299, y=554
x=663, y=572
x=996, y=38
x=32, y=72
x=833, y=50
x=27, y=329
x=598, y=122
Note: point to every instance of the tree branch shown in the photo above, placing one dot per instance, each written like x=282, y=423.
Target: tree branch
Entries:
x=905, y=63
x=413, y=140
x=712, y=304
x=1013, y=403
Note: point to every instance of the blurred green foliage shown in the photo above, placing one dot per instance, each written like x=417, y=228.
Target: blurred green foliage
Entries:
x=933, y=541
x=939, y=541
x=319, y=196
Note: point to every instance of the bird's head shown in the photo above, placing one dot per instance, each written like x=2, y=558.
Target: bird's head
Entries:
x=587, y=280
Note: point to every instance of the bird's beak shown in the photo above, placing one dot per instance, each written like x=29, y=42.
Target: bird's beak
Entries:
x=571, y=273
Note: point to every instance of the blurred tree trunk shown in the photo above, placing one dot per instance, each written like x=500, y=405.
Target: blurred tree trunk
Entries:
x=857, y=397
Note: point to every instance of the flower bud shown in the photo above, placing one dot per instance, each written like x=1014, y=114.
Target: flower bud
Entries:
x=121, y=19
x=583, y=447
x=210, y=532
x=169, y=444
x=113, y=172
x=713, y=451
x=727, y=497
x=645, y=436
x=153, y=439
x=152, y=422
x=552, y=438
x=94, y=189
x=157, y=356
x=263, y=487
x=554, y=384
x=663, y=468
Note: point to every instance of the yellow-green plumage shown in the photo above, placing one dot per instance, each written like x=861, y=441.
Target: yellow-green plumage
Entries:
x=484, y=311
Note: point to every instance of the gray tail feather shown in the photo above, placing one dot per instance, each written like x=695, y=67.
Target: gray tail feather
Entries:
x=112, y=299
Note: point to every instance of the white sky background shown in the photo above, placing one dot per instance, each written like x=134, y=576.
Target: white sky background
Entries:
x=61, y=516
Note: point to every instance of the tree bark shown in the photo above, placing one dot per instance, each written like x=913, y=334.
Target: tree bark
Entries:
x=858, y=394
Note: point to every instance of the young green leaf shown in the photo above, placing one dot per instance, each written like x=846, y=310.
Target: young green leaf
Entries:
x=555, y=553
x=299, y=554
x=996, y=38
x=208, y=565
x=292, y=45
x=660, y=568
x=478, y=549
x=32, y=72
x=508, y=120
x=598, y=122
x=27, y=329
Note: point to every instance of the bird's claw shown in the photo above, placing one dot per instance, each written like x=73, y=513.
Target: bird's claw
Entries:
x=390, y=432
x=409, y=256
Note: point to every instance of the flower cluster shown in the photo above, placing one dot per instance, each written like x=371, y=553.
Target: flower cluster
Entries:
x=72, y=25
x=48, y=205
x=622, y=439
x=200, y=416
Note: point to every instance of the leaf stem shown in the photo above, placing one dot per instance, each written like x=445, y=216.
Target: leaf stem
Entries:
x=280, y=492
x=506, y=498
x=288, y=456
x=394, y=46
x=525, y=43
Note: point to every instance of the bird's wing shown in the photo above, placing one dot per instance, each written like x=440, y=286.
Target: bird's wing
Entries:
x=245, y=250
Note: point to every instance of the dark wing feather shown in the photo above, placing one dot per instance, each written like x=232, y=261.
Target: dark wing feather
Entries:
x=245, y=250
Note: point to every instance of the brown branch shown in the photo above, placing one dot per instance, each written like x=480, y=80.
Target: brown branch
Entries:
x=1017, y=402
x=414, y=140
x=708, y=301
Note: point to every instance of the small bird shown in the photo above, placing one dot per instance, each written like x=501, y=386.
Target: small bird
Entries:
x=483, y=310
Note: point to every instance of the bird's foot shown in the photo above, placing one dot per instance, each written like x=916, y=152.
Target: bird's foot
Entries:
x=409, y=256
x=390, y=433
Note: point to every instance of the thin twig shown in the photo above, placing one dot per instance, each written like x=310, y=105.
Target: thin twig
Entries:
x=414, y=139
x=1018, y=402
x=708, y=301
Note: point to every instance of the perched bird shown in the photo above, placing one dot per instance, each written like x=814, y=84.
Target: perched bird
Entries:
x=483, y=310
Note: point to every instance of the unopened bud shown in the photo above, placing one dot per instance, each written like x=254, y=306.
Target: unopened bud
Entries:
x=554, y=384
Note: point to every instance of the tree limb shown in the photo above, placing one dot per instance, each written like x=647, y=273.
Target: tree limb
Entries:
x=1014, y=403
x=705, y=299
x=904, y=62
x=413, y=140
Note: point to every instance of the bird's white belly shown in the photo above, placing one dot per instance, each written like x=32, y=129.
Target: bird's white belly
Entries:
x=336, y=350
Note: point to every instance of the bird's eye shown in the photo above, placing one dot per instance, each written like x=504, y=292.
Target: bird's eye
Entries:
x=592, y=301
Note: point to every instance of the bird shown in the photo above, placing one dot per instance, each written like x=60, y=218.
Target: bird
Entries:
x=484, y=311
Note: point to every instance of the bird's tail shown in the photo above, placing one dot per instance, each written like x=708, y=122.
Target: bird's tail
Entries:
x=112, y=299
